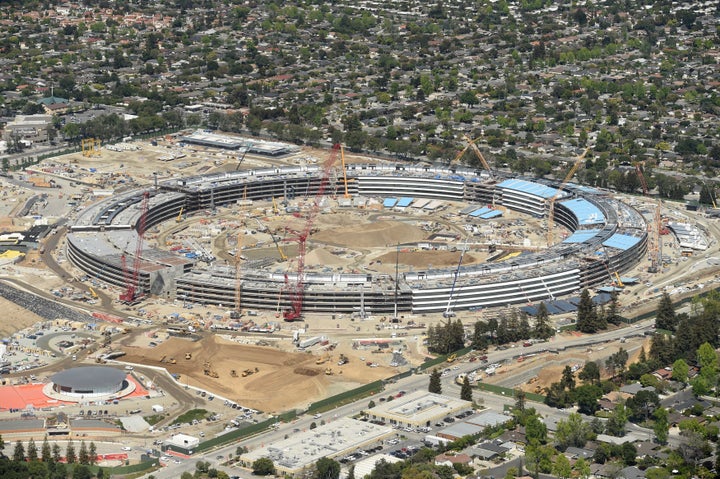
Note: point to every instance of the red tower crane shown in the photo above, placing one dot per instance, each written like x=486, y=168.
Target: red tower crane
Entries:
x=296, y=289
x=131, y=274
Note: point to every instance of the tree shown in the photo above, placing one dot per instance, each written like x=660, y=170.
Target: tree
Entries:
x=466, y=390
x=535, y=430
x=616, y=362
x=572, y=432
x=19, y=452
x=587, y=397
x=46, y=452
x=587, y=317
x=70, y=456
x=708, y=360
x=561, y=467
x=642, y=404
x=32, y=451
x=661, y=425
x=543, y=330
x=568, y=379
x=666, y=318
x=590, y=373
x=435, y=385
x=83, y=453
x=680, y=371
x=56, y=452
x=326, y=468
x=371, y=404
x=582, y=468
x=263, y=467
x=92, y=453
x=615, y=425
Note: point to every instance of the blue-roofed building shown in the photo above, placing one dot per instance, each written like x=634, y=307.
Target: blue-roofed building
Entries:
x=621, y=241
x=389, y=202
x=585, y=212
x=479, y=212
x=404, y=202
x=527, y=197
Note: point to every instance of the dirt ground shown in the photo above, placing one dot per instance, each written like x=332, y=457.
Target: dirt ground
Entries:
x=292, y=377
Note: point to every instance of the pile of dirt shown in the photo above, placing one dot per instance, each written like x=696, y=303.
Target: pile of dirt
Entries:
x=425, y=258
x=324, y=257
x=371, y=235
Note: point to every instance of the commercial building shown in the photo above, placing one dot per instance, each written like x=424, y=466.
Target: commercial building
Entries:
x=88, y=382
x=301, y=451
x=417, y=409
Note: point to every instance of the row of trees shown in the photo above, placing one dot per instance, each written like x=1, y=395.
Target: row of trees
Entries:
x=45, y=463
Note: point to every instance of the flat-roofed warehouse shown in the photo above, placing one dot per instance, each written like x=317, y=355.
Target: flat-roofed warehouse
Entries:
x=301, y=451
x=418, y=409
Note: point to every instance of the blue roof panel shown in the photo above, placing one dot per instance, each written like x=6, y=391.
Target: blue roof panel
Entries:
x=621, y=241
x=389, y=202
x=480, y=212
x=529, y=187
x=404, y=202
x=491, y=214
x=585, y=212
x=581, y=236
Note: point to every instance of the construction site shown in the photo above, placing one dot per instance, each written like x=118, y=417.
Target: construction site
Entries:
x=239, y=252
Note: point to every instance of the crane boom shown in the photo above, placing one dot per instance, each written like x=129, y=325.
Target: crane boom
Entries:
x=479, y=154
x=448, y=313
x=551, y=206
x=297, y=289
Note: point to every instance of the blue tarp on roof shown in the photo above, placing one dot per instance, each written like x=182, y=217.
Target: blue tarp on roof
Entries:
x=580, y=236
x=479, y=212
x=585, y=212
x=404, y=202
x=529, y=187
x=389, y=202
x=491, y=214
x=621, y=241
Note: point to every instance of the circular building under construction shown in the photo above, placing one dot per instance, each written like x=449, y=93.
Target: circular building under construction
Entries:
x=604, y=237
x=90, y=382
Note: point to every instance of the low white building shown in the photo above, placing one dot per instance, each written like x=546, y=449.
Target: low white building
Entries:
x=182, y=441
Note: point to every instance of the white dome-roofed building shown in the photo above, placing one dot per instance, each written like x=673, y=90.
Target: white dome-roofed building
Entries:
x=89, y=382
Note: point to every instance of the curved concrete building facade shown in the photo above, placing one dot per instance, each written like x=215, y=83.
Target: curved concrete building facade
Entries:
x=607, y=236
x=89, y=382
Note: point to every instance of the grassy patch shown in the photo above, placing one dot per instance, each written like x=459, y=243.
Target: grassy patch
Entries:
x=192, y=415
x=154, y=419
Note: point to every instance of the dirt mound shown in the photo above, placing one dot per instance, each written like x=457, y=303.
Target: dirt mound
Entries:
x=306, y=371
x=324, y=257
x=370, y=235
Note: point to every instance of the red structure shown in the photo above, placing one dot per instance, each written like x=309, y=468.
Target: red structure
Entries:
x=131, y=274
x=296, y=289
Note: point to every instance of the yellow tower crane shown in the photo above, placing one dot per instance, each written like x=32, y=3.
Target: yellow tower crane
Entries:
x=551, y=205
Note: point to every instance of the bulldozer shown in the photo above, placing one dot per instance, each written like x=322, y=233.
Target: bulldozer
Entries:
x=172, y=361
x=188, y=355
x=323, y=359
x=233, y=373
x=209, y=371
x=329, y=372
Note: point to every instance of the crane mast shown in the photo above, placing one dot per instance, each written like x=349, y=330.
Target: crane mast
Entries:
x=132, y=273
x=296, y=289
